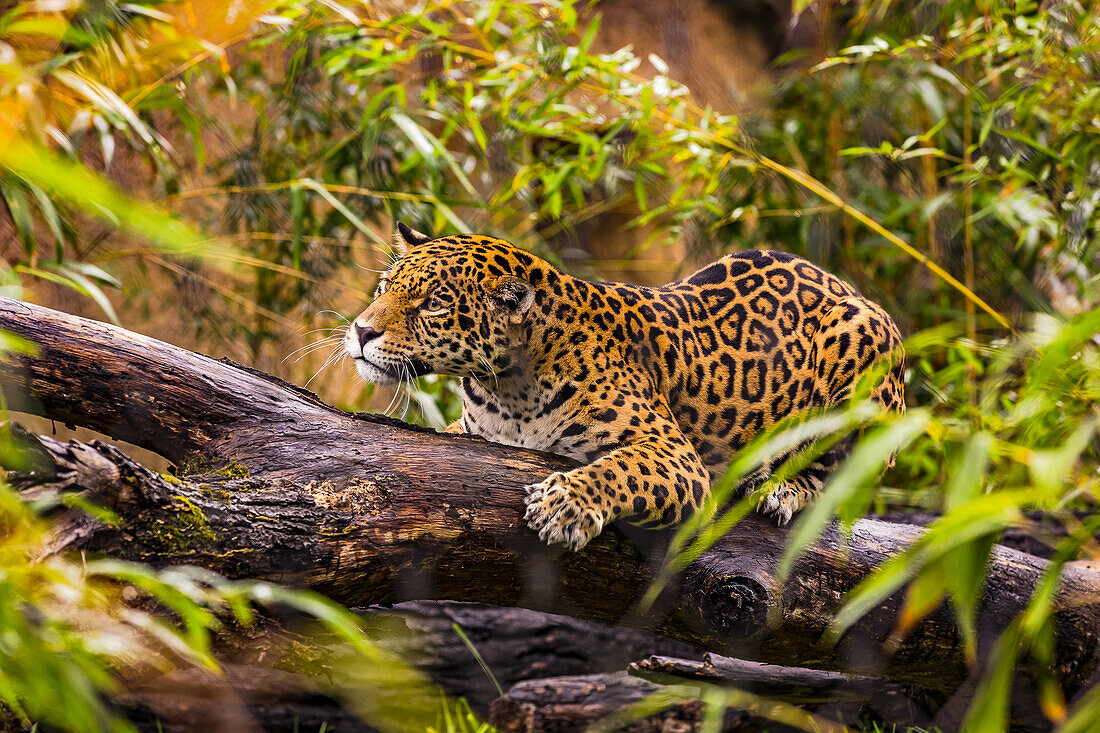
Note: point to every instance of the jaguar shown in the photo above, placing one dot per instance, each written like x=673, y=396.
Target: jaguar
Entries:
x=654, y=390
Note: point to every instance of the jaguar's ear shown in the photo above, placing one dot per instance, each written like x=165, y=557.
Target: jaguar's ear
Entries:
x=406, y=238
x=513, y=296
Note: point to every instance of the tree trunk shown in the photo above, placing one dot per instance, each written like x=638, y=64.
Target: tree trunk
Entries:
x=275, y=484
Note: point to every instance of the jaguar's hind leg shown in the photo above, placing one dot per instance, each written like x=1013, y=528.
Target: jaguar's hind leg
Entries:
x=796, y=493
x=854, y=335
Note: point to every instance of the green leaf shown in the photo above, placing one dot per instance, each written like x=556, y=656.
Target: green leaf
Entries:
x=867, y=459
x=53, y=220
x=344, y=210
x=90, y=288
x=1049, y=468
x=988, y=713
x=106, y=100
x=11, y=343
x=589, y=34
x=964, y=569
x=20, y=213
x=984, y=516
x=297, y=215
x=923, y=596
x=62, y=275
x=968, y=474
x=79, y=186
x=95, y=272
x=1085, y=716
x=799, y=7
x=477, y=656
x=430, y=147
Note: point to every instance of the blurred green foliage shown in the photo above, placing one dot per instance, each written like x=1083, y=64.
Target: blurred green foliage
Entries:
x=69, y=625
x=940, y=155
x=965, y=125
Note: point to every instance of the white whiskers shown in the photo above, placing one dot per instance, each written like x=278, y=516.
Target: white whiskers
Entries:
x=337, y=354
x=492, y=372
x=315, y=346
x=341, y=316
x=396, y=394
x=389, y=253
x=410, y=370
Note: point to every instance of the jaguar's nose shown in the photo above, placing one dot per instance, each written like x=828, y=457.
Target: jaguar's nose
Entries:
x=365, y=334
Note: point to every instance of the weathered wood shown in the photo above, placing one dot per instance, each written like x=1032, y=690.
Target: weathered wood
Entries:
x=574, y=703
x=255, y=690
x=833, y=694
x=245, y=699
x=369, y=510
x=561, y=704
x=516, y=644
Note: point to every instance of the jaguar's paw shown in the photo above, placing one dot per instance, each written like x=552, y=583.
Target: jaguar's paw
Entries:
x=783, y=502
x=555, y=513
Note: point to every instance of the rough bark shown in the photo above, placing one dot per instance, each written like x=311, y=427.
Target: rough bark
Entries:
x=246, y=699
x=516, y=644
x=833, y=694
x=561, y=704
x=369, y=510
x=576, y=701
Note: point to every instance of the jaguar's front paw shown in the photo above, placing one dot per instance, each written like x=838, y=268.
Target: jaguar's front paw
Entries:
x=784, y=501
x=555, y=513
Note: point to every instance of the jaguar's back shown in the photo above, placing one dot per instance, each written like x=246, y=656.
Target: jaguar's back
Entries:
x=769, y=334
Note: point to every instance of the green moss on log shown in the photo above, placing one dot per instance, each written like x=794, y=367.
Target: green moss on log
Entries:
x=207, y=466
x=185, y=528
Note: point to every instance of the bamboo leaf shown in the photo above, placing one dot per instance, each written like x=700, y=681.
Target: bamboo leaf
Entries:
x=20, y=213
x=89, y=288
x=344, y=210
x=966, y=478
x=297, y=215
x=53, y=220
x=866, y=460
x=977, y=519
x=76, y=184
x=430, y=147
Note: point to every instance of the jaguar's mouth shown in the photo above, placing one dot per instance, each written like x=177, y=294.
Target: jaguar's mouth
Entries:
x=383, y=373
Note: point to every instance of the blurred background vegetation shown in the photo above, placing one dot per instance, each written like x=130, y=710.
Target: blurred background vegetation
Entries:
x=225, y=175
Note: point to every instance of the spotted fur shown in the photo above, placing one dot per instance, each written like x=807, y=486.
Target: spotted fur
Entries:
x=654, y=389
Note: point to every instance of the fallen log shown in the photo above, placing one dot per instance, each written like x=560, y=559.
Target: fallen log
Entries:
x=834, y=695
x=576, y=702
x=241, y=699
x=256, y=690
x=272, y=483
x=516, y=644
x=573, y=702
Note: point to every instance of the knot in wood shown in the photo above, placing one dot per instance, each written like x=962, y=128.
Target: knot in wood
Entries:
x=735, y=604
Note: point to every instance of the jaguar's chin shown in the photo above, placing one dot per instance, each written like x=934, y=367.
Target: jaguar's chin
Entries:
x=375, y=373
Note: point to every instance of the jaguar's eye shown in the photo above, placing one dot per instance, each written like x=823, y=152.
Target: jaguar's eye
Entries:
x=383, y=285
x=433, y=306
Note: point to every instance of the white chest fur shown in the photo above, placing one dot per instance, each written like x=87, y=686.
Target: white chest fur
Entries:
x=512, y=421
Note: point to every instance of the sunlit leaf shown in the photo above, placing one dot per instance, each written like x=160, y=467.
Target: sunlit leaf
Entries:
x=977, y=519
x=19, y=210
x=79, y=186
x=867, y=459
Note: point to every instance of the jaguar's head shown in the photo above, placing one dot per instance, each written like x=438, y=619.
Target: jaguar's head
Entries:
x=453, y=305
